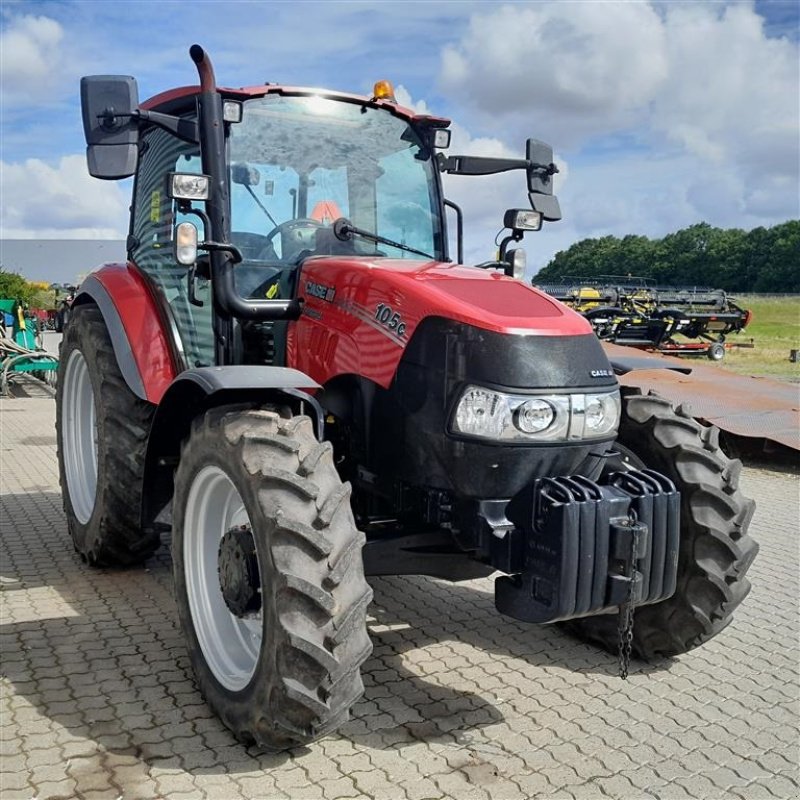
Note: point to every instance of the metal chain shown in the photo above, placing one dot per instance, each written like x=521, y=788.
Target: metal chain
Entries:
x=625, y=624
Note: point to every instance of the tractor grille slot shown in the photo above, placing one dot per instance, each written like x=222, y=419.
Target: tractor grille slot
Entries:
x=578, y=551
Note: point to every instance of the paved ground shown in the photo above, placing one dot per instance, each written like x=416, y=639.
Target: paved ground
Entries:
x=98, y=700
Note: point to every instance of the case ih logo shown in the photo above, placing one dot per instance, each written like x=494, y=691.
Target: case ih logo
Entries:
x=602, y=373
x=320, y=291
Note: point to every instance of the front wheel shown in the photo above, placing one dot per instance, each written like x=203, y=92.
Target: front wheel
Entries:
x=715, y=551
x=269, y=577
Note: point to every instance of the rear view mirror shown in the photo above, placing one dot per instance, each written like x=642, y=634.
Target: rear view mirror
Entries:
x=110, y=106
x=541, y=168
x=547, y=205
x=540, y=173
x=245, y=175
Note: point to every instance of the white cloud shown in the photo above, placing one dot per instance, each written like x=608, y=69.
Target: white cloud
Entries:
x=567, y=69
x=31, y=59
x=671, y=114
x=59, y=202
x=732, y=94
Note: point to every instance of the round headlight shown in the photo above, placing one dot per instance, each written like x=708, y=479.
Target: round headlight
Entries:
x=534, y=416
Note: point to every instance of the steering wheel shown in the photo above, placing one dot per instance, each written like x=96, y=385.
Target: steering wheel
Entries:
x=292, y=237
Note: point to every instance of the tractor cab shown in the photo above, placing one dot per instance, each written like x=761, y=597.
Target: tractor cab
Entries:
x=237, y=189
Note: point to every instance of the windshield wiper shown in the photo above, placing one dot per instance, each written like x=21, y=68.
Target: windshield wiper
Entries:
x=344, y=230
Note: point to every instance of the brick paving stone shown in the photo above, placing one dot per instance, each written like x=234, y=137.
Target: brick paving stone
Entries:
x=97, y=699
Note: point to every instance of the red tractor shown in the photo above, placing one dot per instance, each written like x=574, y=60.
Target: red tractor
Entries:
x=292, y=377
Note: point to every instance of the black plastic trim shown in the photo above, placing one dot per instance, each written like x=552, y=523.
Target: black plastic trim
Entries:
x=624, y=365
x=94, y=289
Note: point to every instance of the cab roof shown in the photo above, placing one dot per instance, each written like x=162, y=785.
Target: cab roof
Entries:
x=180, y=100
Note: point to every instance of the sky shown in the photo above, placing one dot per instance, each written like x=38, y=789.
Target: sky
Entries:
x=661, y=114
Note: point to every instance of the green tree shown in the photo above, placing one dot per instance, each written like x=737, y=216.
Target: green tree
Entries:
x=761, y=260
x=15, y=287
x=781, y=270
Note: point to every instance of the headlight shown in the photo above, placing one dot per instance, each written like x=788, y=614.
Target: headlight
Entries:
x=482, y=412
x=489, y=414
x=534, y=416
x=601, y=414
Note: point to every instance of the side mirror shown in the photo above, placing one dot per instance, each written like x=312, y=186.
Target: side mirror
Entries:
x=547, y=205
x=541, y=167
x=540, y=180
x=110, y=106
x=245, y=175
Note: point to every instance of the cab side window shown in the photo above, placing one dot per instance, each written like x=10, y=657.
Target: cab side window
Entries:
x=154, y=219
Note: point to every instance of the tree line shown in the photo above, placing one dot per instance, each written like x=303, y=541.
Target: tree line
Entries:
x=36, y=294
x=764, y=260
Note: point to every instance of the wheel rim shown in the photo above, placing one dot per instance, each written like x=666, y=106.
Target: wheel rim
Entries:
x=230, y=644
x=79, y=437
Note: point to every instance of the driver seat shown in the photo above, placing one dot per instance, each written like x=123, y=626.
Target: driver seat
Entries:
x=327, y=244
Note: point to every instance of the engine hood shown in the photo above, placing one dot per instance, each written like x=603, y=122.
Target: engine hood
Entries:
x=415, y=290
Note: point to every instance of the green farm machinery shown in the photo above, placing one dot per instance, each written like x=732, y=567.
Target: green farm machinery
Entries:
x=21, y=348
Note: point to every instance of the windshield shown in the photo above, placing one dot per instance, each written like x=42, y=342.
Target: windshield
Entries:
x=299, y=163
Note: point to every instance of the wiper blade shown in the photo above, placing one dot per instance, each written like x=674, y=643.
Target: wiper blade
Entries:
x=344, y=230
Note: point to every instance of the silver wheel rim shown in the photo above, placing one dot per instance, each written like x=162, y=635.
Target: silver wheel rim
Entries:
x=230, y=644
x=79, y=434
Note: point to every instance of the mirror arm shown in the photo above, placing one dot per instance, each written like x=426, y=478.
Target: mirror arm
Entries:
x=459, y=230
x=478, y=165
x=183, y=128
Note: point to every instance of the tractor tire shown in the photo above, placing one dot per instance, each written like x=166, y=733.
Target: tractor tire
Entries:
x=715, y=551
x=101, y=430
x=277, y=640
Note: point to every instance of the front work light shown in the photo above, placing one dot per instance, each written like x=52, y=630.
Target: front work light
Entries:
x=441, y=139
x=188, y=186
x=521, y=219
x=231, y=111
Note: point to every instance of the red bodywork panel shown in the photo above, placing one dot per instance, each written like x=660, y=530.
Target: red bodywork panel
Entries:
x=358, y=316
x=341, y=332
x=143, y=327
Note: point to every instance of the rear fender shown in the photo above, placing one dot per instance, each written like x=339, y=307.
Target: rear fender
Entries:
x=622, y=365
x=137, y=334
x=195, y=391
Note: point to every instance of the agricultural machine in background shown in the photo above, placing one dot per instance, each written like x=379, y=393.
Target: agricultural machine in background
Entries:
x=292, y=377
x=21, y=346
x=636, y=313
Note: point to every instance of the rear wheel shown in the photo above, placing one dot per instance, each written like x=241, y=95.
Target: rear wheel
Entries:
x=715, y=550
x=102, y=430
x=269, y=577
